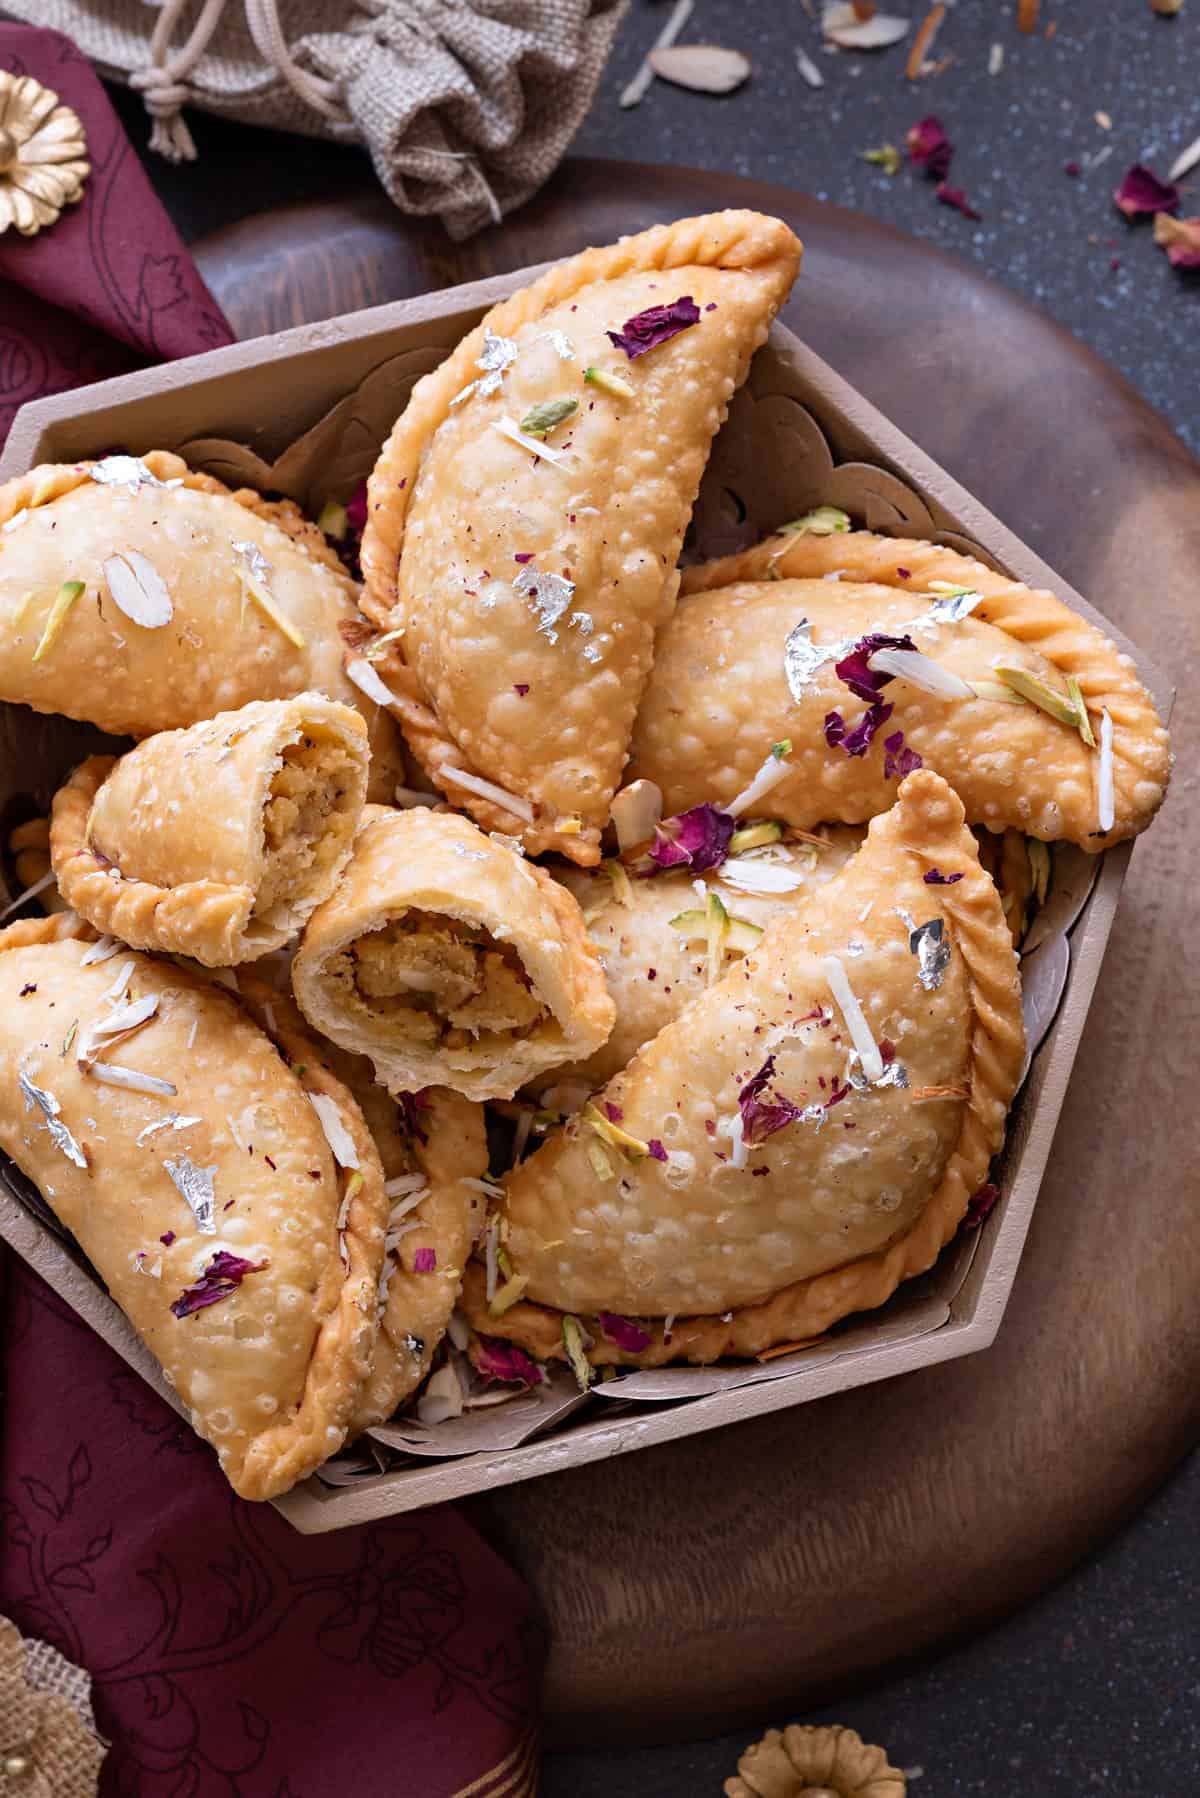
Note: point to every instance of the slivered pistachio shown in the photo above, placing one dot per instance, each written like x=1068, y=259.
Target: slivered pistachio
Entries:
x=602, y=1167
x=1085, y=723
x=569, y=827
x=622, y=885
x=508, y=1294
x=332, y=520
x=755, y=836
x=609, y=383
x=823, y=521
x=541, y=420
x=887, y=157
x=65, y=598
x=1039, y=863
x=572, y=1335
x=1065, y=708
x=632, y=1146
x=996, y=690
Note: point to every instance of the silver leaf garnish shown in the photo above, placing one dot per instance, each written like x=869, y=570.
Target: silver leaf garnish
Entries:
x=497, y=355
x=549, y=595
x=931, y=947
x=469, y=855
x=906, y=918
x=591, y=653
x=950, y=608
x=816, y=1115
x=802, y=657
x=195, y=1186
x=255, y=561
x=583, y=622
x=50, y=1108
x=561, y=344
x=123, y=471
x=16, y=521
x=896, y=1074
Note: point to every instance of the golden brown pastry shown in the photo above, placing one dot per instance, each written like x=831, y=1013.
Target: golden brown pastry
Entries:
x=524, y=521
x=1021, y=744
x=450, y=961
x=140, y=596
x=218, y=841
x=196, y=1173
x=435, y=1158
x=663, y=940
x=805, y=1136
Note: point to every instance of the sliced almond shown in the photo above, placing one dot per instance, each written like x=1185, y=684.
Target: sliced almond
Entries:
x=842, y=26
x=704, y=68
x=138, y=589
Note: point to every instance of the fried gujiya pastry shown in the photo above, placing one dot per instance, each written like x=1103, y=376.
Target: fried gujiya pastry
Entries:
x=140, y=596
x=218, y=841
x=524, y=522
x=195, y=1170
x=434, y=1155
x=664, y=939
x=450, y=961
x=1035, y=718
x=804, y=1137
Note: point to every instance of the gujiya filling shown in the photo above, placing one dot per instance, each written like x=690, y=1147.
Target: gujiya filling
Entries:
x=308, y=821
x=439, y=981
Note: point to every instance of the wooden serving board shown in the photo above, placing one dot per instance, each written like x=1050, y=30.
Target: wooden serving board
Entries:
x=754, y=1570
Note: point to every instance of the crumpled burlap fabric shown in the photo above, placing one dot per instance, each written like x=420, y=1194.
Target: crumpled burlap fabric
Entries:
x=466, y=106
x=47, y=1729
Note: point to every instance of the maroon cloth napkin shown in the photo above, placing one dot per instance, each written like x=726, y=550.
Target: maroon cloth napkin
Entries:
x=109, y=286
x=232, y=1657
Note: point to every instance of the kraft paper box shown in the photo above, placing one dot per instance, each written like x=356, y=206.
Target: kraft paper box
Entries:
x=303, y=413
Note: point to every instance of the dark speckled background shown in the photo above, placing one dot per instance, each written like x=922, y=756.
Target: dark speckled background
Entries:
x=1096, y=1688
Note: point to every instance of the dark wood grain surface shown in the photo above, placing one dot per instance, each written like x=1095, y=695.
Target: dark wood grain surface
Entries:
x=764, y=1567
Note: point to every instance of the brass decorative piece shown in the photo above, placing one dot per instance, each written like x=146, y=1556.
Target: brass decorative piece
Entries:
x=805, y=1762
x=43, y=155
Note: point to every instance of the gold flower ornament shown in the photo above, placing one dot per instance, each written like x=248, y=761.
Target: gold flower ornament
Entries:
x=805, y=1762
x=43, y=162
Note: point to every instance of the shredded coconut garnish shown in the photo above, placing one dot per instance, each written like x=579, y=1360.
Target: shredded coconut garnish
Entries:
x=138, y=589
x=336, y=1134
x=107, y=947
x=549, y=596
x=110, y=1073
x=367, y=681
x=497, y=355
x=195, y=1186
x=773, y=770
x=508, y=427
x=50, y=1109
x=120, y=1022
x=1105, y=795
x=123, y=471
x=31, y=892
x=860, y=1031
x=485, y=789
x=174, y=1120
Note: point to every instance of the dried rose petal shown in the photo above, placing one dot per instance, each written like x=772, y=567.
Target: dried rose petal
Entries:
x=223, y=1275
x=981, y=1206
x=858, y=740
x=698, y=838
x=761, y=1120
x=497, y=1360
x=656, y=1151
x=929, y=148
x=897, y=759
x=424, y=1261
x=935, y=878
x=1142, y=193
x=658, y=324
x=628, y=1336
x=956, y=197
x=410, y=1104
x=855, y=670
x=1180, y=238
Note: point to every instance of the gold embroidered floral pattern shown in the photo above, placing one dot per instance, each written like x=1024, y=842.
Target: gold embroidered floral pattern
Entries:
x=43, y=162
x=46, y=1750
x=806, y=1762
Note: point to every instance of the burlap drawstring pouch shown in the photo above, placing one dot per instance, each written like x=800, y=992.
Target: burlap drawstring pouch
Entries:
x=466, y=106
